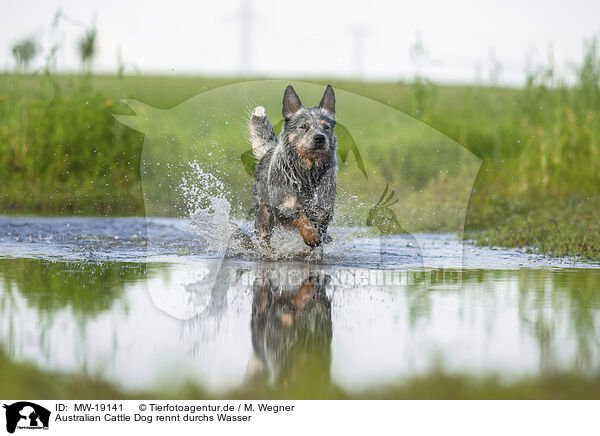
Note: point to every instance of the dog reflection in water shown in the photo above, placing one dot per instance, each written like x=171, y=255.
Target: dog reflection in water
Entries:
x=291, y=333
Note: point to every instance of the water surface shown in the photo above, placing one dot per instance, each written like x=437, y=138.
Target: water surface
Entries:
x=93, y=296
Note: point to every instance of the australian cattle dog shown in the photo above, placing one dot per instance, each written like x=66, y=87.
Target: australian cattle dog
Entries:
x=294, y=183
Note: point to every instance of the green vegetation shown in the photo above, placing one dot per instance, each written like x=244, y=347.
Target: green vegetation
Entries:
x=24, y=380
x=62, y=151
x=568, y=226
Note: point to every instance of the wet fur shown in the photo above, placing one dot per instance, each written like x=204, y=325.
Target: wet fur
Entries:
x=294, y=183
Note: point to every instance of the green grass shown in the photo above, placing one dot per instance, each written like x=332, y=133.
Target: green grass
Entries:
x=62, y=151
x=558, y=227
x=25, y=380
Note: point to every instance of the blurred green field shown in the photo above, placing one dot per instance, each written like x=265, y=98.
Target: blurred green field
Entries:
x=63, y=152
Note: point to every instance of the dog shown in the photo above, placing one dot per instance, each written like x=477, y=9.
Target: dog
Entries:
x=294, y=182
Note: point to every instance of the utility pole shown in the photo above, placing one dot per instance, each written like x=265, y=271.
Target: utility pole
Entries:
x=359, y=33
x=246, y=24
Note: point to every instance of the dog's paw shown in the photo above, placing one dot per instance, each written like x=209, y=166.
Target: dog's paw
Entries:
x=309, y=235
x=311, y=239
x=259, y=112
x=307, y=230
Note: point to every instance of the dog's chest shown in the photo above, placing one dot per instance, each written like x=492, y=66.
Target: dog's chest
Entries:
x=310, y=179
x=309, y=186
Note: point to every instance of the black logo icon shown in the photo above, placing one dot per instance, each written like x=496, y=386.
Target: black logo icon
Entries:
x=26, y=415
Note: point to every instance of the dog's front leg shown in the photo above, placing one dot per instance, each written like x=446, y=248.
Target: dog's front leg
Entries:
x=264, y=223
x=322, y=205
x=307, y=230
x=324, y=217
x=292, y=212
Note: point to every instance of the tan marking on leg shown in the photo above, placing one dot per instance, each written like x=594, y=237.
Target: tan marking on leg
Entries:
x=304, y=294
x=286, y=319
x=307, y=231
x=288, y=225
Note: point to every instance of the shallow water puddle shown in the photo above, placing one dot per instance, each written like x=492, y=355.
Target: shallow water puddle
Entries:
x=88, y=296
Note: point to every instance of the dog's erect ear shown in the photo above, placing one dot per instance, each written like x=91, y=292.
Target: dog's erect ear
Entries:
x=328, y=100
x=291, y=102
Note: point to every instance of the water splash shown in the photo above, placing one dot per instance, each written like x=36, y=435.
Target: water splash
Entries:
x=207, y=207
x=208, y=212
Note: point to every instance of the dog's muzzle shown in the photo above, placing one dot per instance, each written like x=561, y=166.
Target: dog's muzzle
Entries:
x=319, y=141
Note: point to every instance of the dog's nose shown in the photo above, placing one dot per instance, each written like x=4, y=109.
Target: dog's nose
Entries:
x=319, y=140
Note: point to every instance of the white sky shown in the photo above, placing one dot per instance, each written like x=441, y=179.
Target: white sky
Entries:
x=312, y=37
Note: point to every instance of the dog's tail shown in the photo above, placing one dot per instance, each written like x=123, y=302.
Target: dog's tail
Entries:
x=262, y=134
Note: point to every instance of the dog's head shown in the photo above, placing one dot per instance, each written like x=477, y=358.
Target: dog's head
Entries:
x=309, y=131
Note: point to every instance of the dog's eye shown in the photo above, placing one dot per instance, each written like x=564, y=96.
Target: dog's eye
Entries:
x=326, y=127
x=304, y=126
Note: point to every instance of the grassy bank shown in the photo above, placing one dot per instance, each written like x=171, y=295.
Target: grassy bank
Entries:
x=62, y=152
